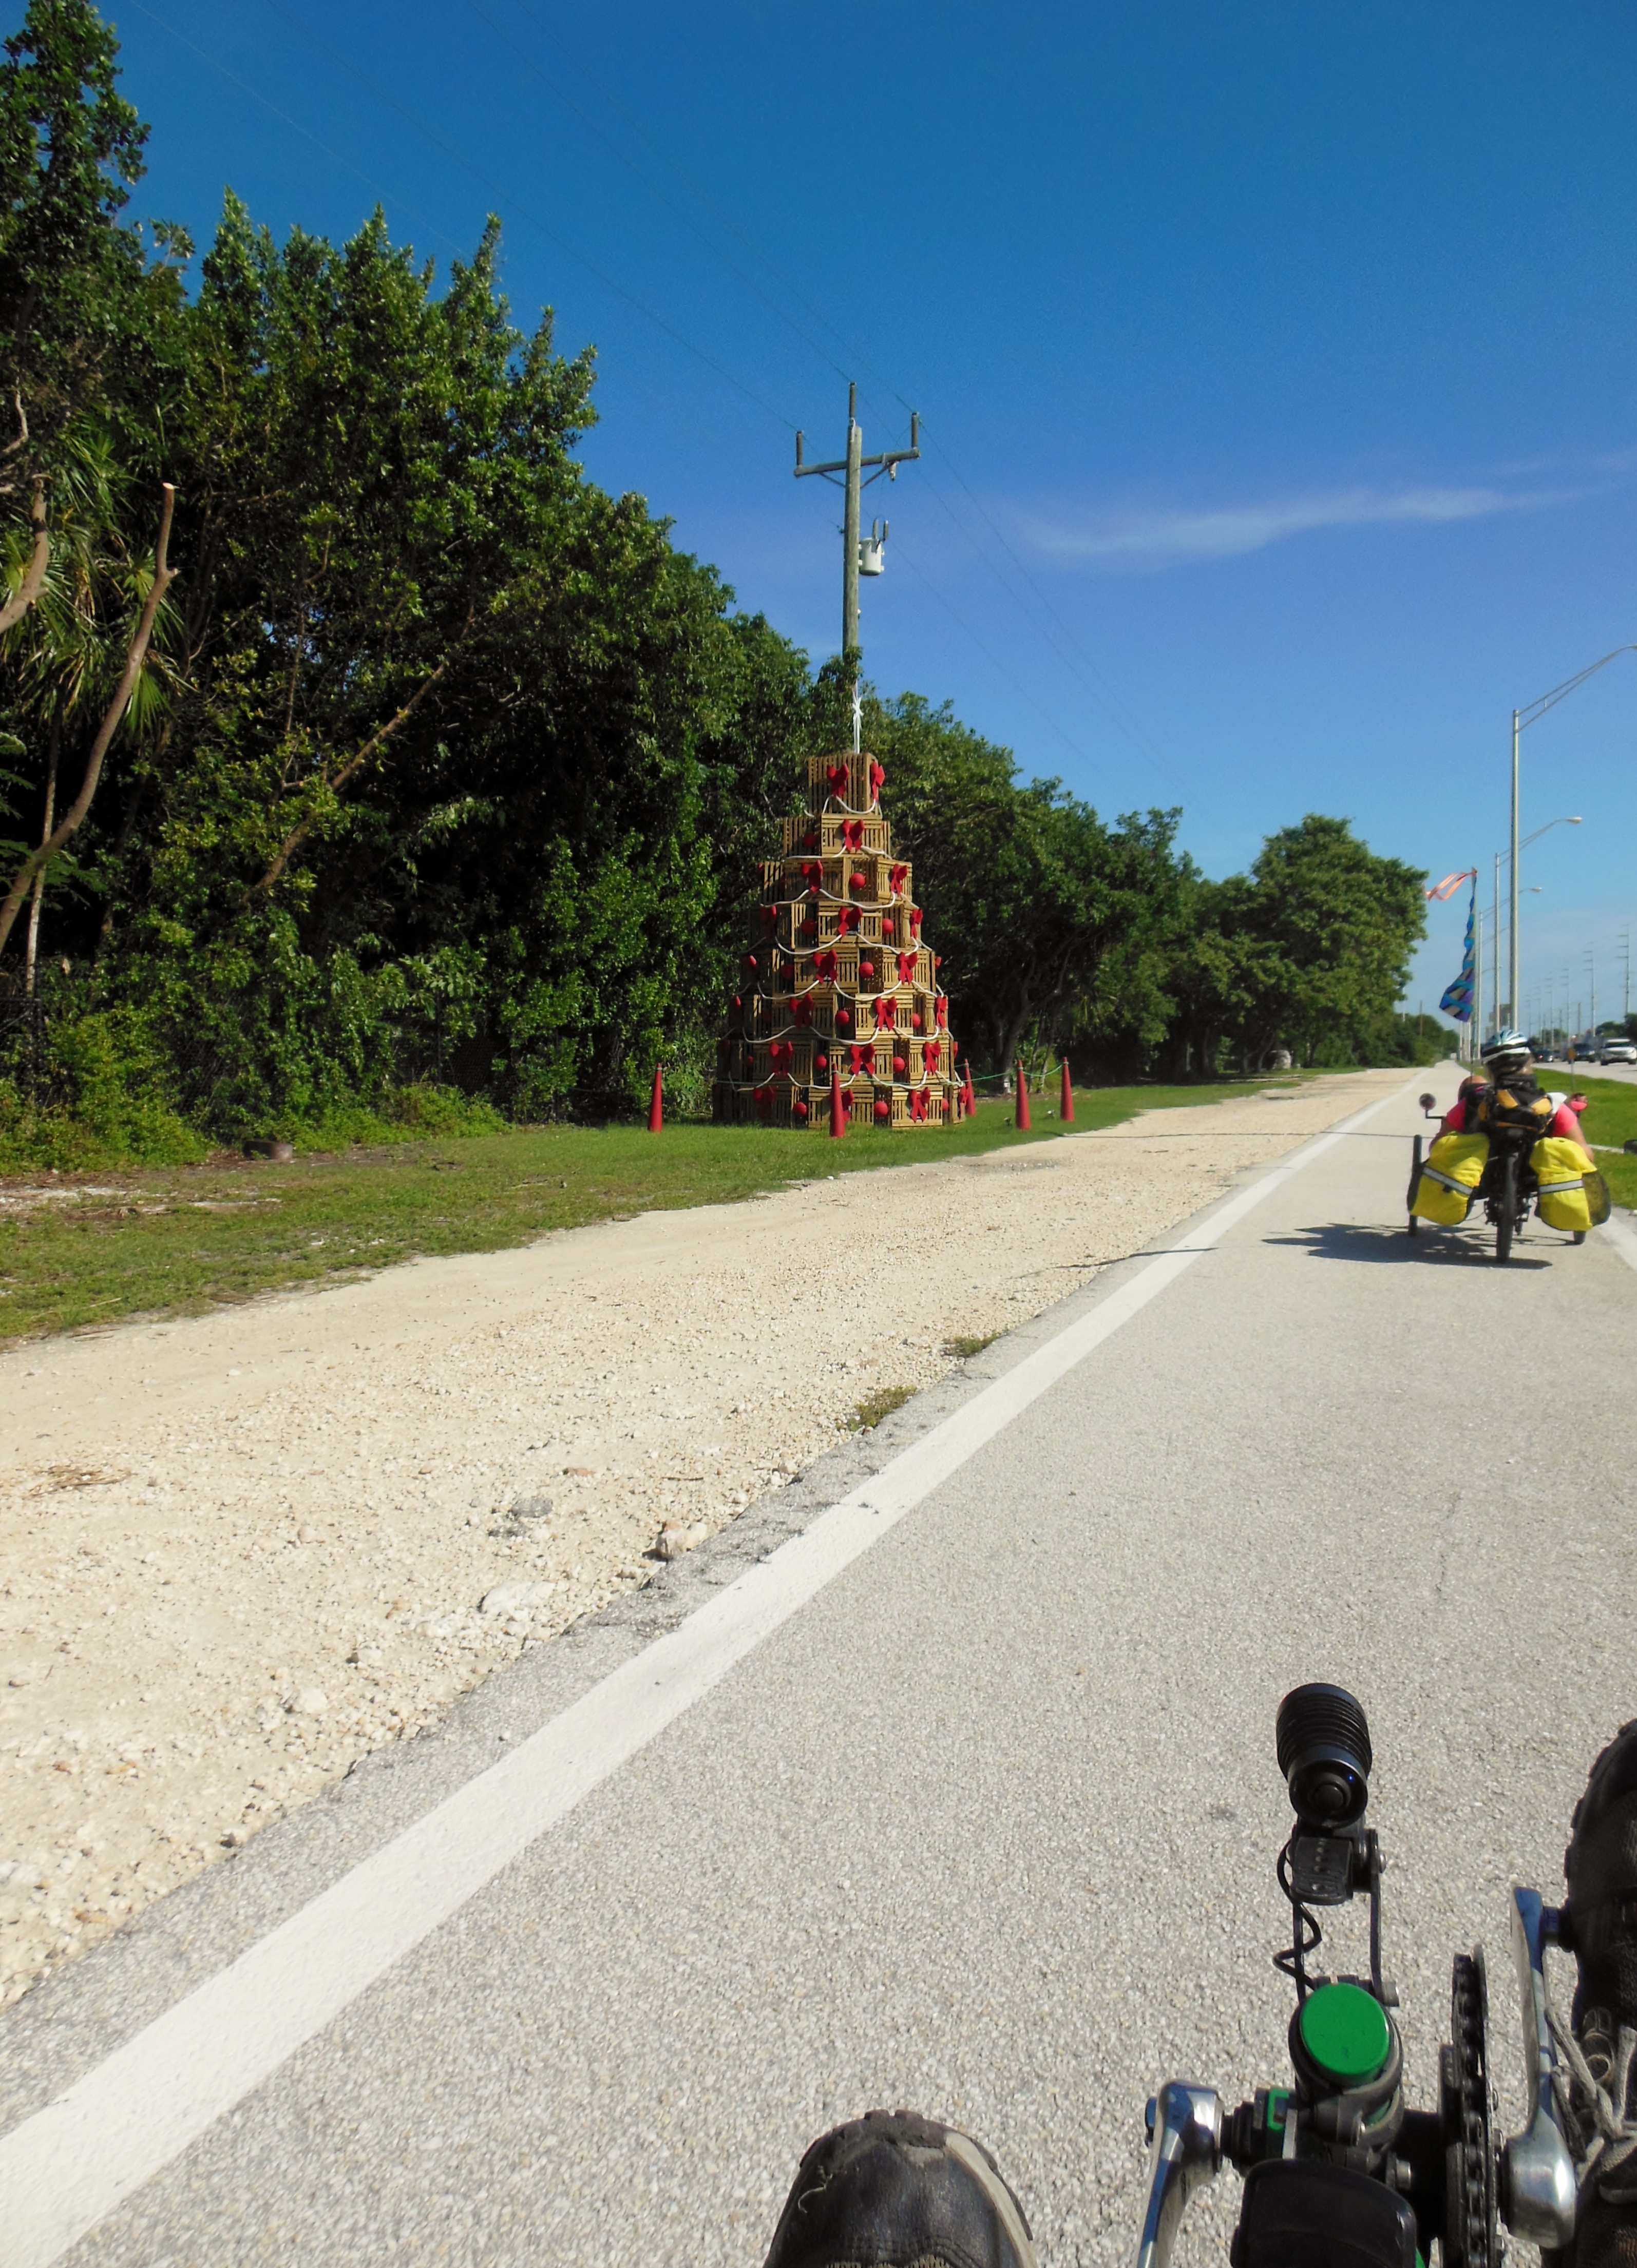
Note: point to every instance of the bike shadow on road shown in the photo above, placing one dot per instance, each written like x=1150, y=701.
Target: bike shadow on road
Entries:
x=1352, y=1239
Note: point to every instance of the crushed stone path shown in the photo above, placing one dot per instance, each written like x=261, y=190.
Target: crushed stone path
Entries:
x=240, y=1551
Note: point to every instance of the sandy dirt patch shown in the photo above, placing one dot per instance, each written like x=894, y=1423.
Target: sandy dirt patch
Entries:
x=238, y=1552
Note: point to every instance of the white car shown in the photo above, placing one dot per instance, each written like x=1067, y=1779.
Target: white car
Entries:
x=1619, y=1051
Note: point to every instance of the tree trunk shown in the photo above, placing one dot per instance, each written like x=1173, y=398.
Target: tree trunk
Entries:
x=136, y=653
x=40, y=878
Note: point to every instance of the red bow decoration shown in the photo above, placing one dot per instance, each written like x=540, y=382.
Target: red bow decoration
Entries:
x=929, y=1056
x=906, y=967
x=837, y=776
x=824, y=964
x=801, y=1012
x=915, y=921
x=896, y=880
x=847, y=921
x=878, y=780
x=764, y=1102
x=781, y=1054
x=860, y=1059
x=943, y=1011
x=769, y=917
x=813, y=874
x=810, y=841
x=886, y=1012
x=917, y=1105
x=852, y=834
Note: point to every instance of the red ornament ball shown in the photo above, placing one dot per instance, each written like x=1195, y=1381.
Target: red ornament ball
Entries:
x=897, y=1065
x=884, y=1110
x=823, y=1065
x=845, y=1021
x=866, y=968
x=916, y=1022
x=738, y=1004
x=798, y=1109
x=859, y=882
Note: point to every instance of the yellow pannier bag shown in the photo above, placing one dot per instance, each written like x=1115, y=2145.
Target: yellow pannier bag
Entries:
x=1560, y=1169
x=1454, y=1169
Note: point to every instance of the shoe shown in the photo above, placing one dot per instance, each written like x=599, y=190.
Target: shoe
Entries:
x=894, y=2190
x=1600, y=1867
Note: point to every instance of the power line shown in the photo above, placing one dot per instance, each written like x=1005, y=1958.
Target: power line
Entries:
x=1074, y=658
x=543, y=228
x=284, y=119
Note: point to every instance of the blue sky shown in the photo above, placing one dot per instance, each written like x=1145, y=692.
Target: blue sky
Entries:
x=1276, y=364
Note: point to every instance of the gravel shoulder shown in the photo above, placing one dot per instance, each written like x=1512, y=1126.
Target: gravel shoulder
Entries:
x=239, y=1552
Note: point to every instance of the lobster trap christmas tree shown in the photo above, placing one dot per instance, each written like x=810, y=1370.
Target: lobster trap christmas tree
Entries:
x=837, y=991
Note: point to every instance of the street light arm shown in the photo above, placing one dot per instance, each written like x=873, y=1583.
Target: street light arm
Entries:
x=1534, y=709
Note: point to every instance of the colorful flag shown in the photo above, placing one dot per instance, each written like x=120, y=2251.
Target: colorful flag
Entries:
x=1457, y=1001
x=1451, y=883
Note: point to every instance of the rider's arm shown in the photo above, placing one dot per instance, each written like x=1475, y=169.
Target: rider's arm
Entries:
x=1455, y=1117
x=1566, y=1124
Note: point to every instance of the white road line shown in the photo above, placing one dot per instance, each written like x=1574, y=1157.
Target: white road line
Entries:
x=1621, y=1238
x=68, y=2167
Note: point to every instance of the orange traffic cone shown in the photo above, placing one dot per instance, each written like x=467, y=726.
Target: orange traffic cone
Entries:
x=837, y=1104
x=1022, y=1098
x=656, y=1108
x=1067, y=1110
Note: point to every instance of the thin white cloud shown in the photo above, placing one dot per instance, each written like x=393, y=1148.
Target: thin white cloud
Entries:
x=1164, y=538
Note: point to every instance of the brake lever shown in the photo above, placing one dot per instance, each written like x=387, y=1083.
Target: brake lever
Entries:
x=1184, y=2153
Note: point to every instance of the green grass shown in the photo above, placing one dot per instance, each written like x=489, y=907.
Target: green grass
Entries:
x=1611, y=1118
x=878, y=1405
x=966, y=1348
x=182, y=1240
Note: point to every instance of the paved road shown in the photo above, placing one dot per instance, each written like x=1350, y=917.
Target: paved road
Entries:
x=987, y=1824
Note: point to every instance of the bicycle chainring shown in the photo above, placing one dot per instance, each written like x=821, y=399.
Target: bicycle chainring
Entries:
x=1472, y=2236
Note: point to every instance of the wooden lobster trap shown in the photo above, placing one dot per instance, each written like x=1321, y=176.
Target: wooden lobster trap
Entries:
x=844, y=779
x=788, y=1057
x=838, y=835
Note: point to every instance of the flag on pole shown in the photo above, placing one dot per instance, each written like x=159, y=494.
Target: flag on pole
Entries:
x=1457, y=1001
x=1451, y=883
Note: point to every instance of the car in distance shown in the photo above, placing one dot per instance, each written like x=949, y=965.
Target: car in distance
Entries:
x=1615, y=1051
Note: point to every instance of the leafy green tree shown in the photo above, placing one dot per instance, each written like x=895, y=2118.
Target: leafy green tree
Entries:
x=1310, y=952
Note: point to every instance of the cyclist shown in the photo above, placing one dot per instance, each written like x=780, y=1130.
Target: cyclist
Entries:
x=1507, y=1061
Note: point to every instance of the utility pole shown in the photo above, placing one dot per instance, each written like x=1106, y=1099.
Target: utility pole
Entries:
x=1494, y=955
x=1478, y=975
x=854, y=561
x=1512, y=987
x=1591, y=982
x=1625, y=947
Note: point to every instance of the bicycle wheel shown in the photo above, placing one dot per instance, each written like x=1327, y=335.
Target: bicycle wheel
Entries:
x=1415, y=1182
x=1506, y=1206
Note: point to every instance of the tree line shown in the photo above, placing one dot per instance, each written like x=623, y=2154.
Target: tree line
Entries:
x=352, y=738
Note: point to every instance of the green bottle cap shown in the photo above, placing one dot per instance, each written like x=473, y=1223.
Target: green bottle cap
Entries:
x=1344, y=2029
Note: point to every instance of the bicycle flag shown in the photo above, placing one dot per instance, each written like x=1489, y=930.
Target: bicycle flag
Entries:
x=1457, y=1001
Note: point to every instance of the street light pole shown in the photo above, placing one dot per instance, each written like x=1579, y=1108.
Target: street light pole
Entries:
x=1512, y=956
x=1528, y=714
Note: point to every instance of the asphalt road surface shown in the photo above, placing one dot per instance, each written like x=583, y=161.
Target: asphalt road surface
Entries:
x=965, y=1799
